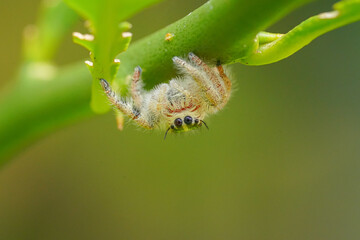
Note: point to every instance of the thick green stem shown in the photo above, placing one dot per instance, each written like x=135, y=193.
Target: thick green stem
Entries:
x=222, y=30
x=32, y=109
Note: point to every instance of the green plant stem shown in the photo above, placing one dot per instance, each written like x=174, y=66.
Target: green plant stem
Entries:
x=41, y=42
x=29, y=111
x=344, y=13
x=218, y=29
x=266, y=37
x=221, y=29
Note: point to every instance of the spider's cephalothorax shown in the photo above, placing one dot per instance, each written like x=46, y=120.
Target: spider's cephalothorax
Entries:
x=180, y=105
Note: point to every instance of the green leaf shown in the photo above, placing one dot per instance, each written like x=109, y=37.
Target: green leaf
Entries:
x=85, y=40
x=109, y=38
x=108, y=11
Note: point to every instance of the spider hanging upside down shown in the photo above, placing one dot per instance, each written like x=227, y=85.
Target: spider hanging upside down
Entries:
x=182, y=104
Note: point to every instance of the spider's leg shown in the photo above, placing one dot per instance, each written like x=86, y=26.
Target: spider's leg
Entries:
x=224, y=77
x=226, y=80
x=137, y=87
x=211, y=93
x=126, y=108
x=214, y=77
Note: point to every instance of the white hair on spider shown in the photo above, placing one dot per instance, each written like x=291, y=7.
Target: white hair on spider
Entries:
x=180, y=105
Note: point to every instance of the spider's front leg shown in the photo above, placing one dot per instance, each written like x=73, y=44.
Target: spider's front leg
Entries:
x=126, y=108
x=208, y=88
x=216, y=77
x=213, y=81
x=225, y=78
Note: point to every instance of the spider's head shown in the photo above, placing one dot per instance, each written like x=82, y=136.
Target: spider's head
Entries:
x=185, y=124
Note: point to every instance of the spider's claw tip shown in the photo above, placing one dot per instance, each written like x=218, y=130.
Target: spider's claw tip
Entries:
x=138, y=68
x=175, y=59
x=178, y=61
x=105, y=85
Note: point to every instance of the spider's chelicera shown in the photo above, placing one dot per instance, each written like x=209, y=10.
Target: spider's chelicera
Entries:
x=177, y=106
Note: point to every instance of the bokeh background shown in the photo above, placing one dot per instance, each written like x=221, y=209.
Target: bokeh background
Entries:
x=281, y=161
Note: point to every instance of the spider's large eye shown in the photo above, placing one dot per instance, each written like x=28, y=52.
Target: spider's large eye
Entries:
x=178, y=122
x=188, y=120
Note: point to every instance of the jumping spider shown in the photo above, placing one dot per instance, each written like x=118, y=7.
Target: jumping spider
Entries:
x=180, y=105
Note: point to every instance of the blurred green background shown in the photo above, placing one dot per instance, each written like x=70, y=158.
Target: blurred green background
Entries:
x=281, y=161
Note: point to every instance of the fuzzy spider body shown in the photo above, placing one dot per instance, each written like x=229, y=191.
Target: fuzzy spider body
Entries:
x=180, y=105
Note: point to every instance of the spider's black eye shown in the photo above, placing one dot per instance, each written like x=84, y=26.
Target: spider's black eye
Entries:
x=178, y=122
x=188, y=120
x=196, y=121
